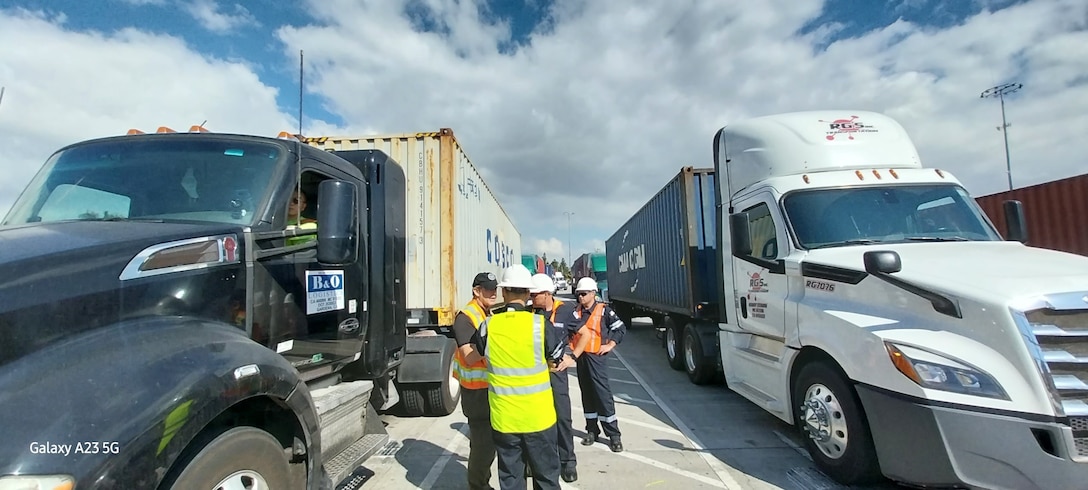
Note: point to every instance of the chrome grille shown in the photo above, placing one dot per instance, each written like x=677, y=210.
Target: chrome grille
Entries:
x=1079, y=423
x=1062, y=337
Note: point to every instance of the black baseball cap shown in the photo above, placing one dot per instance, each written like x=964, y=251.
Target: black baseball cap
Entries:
x=486, y=280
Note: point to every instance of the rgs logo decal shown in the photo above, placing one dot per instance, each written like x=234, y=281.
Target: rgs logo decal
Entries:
x=820, y=285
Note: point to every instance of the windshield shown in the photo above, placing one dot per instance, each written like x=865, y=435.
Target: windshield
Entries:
x=835, y=217
x=160, y=179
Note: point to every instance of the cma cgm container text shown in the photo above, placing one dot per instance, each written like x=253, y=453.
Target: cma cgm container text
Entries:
x=1057, y=213
x=662, y=260
x=456, y=226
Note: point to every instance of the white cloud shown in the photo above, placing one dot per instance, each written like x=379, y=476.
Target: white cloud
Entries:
x=208, y=14
x=609, y=100
x=601, y=108
x=93, y=84
x=551, y=247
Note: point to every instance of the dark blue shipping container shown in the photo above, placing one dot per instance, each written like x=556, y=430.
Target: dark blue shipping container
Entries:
x=663, y=259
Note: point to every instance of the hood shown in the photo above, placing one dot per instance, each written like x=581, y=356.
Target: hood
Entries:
x=985, y=271
x=60, y=278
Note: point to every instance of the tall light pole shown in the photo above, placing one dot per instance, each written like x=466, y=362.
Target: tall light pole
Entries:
x=569, y=214
x=999, y=92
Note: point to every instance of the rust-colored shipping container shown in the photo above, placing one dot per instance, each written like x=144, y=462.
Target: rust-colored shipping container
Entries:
x=1056, y=212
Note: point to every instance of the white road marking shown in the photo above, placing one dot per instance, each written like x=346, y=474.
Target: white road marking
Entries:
x=792, y=444
x=623, y=420
x=629, y=398
x=624, y=381
x=451, y=449
x=672, y=469
x=719, y=468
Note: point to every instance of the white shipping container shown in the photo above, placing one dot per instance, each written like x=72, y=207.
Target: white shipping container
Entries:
x=455, y=226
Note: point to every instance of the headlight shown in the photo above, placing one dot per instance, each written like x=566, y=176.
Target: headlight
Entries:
x=930, y=370
x=48, y=482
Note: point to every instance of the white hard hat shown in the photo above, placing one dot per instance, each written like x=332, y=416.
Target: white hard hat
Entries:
x=542, y=283
x=516, y=276
x=586, y=284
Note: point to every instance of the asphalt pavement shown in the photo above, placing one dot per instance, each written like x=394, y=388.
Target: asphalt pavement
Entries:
x=676, y=435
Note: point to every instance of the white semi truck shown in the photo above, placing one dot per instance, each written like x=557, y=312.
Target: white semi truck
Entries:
x=869, y=301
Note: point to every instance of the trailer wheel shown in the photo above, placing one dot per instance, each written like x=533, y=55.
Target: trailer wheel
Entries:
x=673, y=345
x=242, y=457
x=411, y=401
x=442, y=397
x=701, y=370
x=833, y=425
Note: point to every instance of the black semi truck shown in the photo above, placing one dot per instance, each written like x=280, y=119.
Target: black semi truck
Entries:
x=163, y=326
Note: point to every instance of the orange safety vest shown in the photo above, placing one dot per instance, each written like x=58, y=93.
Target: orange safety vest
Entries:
x=594, y=324
x=555, y=307
x=471, y=376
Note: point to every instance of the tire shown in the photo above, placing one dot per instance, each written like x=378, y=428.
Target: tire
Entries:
x=411, y=400
x=674, y=345
x=701, y=370
x=243, y=457
x=826, y=405
x=441, y=398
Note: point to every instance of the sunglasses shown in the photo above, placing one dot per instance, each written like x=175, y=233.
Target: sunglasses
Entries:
x=584, y=293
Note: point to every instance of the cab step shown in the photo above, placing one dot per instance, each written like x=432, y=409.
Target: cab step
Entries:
x=350, y=429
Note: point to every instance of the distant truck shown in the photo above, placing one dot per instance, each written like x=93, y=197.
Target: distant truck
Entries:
x=843, y=287
x=594, y=266
x=160, y=328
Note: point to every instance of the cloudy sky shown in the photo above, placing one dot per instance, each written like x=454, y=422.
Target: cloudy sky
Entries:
x=593, y=105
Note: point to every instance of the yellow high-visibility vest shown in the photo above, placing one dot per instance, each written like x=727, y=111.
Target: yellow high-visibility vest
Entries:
x=519, y=383
x=471, y=376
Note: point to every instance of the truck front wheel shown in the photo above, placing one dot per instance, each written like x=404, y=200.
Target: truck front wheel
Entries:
x=242, y=457
x=833, y=425
x=442, y=397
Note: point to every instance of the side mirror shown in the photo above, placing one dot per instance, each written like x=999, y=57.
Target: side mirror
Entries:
x=740, y=235
x=336, y=232
x=882, y=262
x=1015, y=222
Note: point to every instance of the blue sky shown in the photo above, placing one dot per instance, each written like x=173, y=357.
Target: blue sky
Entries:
x=599, y=103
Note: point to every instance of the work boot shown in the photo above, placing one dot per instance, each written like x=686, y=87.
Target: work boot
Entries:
x=616, y=445
x=589, y=439
x=570, y=475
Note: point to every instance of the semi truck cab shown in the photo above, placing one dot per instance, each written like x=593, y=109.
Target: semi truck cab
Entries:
x=159, y=311
x=868, y=300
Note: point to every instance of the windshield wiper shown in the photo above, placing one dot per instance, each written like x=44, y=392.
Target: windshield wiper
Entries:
x=856, y=241
x=119, y=218
x=937, y=239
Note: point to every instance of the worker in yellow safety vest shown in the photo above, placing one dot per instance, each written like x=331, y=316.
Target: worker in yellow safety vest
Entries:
x=295, y=220
x=471, y=372
x=561, y=315
x=521, y=348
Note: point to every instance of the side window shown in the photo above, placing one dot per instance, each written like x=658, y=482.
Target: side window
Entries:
x=301, y=207
x=762, y=227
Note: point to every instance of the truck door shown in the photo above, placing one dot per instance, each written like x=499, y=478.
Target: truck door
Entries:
x=760, y=277
x=314, y=315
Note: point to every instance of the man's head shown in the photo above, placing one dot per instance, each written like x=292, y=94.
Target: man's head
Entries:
x=485, y=290
x=516, y=283
x=586, y=291
x=542, y=291
x=296, y=205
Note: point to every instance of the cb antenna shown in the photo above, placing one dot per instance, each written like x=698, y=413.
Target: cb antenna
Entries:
x=298, y=140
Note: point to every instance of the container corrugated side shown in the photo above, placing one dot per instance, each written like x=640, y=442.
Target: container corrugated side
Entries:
x=663, y=258
x=456, y=227
x=1056, y=212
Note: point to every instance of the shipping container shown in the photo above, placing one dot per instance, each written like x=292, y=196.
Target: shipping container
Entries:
x=1056, y=212
x=456, y=226
x=662, y=260
x=529, y=261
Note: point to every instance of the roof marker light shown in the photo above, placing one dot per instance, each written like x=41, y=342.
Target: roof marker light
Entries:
x=805, y=177
x=860, y=176
x=877, y=174
x=197, y=129
x=892, y=171
x=164, y=129
x=134, y=131
x=939, y=172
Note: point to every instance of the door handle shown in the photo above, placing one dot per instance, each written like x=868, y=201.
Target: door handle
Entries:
x=744, y=306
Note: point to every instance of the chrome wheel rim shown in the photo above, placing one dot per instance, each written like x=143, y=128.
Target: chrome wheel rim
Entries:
x=243, y=480
x=824, y=421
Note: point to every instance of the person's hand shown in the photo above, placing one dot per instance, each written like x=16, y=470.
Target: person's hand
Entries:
x=567, y=362
x=606, y=348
